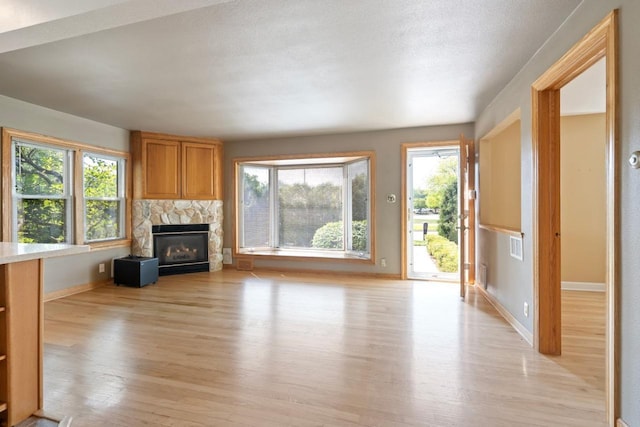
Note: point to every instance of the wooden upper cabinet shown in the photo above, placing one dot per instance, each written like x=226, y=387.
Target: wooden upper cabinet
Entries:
x=161, y=166
x=174, y=167
x=199, y=170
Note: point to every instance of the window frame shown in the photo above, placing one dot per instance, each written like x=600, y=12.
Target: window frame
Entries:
x=121, y=194
x=67, y=191
x=275, y=202
x=275, y=163
x=76, y=186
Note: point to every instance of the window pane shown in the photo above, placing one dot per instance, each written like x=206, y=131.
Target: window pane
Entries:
x=308, y=200
x=100, y=177
x=256, y=217
x=39, y=171
x=102, y=219
x=359, y=183
x=41, y=220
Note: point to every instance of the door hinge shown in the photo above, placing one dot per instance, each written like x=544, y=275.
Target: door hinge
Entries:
x=467, y=266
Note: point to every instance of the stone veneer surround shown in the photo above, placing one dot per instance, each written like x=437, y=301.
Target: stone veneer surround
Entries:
x=146, y=213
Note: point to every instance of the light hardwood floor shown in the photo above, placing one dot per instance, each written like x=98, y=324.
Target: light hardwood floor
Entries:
x=265, y=349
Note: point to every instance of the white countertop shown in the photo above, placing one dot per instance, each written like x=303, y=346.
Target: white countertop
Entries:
x=16, y=252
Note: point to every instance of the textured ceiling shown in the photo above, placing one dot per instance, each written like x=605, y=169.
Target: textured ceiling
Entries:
x=254, y=69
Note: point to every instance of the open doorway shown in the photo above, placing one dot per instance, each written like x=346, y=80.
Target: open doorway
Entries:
x=583, y=224
x=432, y=176
x=444, y=170
x=599, y=43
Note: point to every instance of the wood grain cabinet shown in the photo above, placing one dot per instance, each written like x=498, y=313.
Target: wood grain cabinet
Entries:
x=3, y=353
x=161, y=169
x=21, y=327
x=20, y=335
x=176, y=167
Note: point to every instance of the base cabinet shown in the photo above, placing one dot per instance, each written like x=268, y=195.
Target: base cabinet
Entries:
x=20, y=338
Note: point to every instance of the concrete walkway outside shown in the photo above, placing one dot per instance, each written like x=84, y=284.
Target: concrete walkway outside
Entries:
x=422, y=262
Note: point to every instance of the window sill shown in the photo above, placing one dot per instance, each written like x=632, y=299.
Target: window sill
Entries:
x=109, y=244
x=303, y=255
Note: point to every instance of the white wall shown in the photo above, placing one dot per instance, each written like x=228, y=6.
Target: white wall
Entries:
x=514, y=284
x=386, y=144
x=69, y=271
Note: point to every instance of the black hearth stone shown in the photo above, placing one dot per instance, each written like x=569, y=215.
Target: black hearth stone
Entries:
x=135, y=271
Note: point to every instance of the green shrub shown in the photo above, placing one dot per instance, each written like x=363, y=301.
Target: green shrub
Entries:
x=448, y=213
x=444, y=253
x=359, y=233
x=330, y=236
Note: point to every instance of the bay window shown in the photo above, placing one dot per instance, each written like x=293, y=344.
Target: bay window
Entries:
x=315, y=206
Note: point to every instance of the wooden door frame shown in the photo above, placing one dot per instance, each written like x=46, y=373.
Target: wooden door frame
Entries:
x=600, y=42
x=405, y=147
x=467, y=214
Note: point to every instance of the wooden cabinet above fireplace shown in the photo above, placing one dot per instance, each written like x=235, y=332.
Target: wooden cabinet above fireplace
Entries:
x=176, y=167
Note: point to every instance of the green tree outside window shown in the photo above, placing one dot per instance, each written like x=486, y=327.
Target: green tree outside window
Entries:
x=102, y=198
x=41, y=194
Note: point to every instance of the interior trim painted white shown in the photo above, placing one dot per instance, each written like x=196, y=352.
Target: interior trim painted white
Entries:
x=583, y=286
x=519, y=327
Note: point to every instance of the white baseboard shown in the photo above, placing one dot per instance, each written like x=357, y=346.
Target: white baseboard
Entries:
x=583, y=286
x=519, y=327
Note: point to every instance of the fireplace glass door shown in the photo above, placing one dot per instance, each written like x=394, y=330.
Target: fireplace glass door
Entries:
x=180, y=249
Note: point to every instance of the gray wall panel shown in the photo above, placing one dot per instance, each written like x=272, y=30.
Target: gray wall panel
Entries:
x=517, y=94
x=66, y=272
x=387, y=145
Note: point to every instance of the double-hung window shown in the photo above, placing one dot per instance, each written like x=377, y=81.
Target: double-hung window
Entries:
x=63, y=192
x=316, y=206
x=104, y=197
x=42, y=197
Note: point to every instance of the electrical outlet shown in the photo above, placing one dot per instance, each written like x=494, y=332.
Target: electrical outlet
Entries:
x=383, y=262
x=101, y=267
x=526, y=309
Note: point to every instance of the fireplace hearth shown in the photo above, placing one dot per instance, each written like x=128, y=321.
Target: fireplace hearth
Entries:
x=181, y=248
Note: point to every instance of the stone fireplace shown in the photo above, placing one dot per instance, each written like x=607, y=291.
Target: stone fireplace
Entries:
x=147, y=213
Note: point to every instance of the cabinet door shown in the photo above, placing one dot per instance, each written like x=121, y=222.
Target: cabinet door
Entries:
x=23, y=337
x=161, y=169
x=198, y=171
